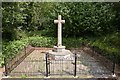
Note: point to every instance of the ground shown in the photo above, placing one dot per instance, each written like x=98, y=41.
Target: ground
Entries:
x=88, y=65
x=1, y=72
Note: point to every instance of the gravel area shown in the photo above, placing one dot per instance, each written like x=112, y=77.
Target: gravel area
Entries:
x=87, y=66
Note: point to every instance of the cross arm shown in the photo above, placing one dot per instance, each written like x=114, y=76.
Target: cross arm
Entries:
x=56, y=21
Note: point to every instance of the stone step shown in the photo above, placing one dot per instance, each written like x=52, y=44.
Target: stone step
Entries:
x=59, y=78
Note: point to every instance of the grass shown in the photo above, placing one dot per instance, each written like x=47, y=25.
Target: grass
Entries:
x=24, y=76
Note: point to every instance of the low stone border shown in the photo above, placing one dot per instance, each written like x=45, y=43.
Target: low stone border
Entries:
x=41, y=48
x=59, y=79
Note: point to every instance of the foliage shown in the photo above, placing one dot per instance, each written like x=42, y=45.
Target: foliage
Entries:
x=22, y=16
x=108, y=51
x=13, y=15
x=10, y=49
x=14, y=47
x=82, y=19
x=73, y=42
x=108, y=46
x=42, y=41
x=51, y=41
x=116, y=22
x=113, y=39
x=13, y=18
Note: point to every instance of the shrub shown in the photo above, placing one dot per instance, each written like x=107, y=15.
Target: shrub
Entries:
x=42, y=41
x=14, y=47
x=73, y=42
x=107, y=49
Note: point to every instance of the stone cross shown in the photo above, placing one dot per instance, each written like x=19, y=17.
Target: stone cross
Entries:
x=59, y=21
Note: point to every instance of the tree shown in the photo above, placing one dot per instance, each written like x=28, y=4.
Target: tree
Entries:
x=84, y=18
x=13, y=18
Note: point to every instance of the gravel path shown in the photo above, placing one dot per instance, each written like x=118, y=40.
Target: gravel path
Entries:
x=1, y=73
x=87, y=66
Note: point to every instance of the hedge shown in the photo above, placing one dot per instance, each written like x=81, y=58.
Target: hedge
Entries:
x=14, y=47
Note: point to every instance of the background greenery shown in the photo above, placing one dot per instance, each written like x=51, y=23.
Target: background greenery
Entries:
x=95, y=24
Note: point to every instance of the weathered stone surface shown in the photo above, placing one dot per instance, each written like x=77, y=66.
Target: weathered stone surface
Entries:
x=59, y=21
x=58, y=79
x=64, y=55
x=58, y=48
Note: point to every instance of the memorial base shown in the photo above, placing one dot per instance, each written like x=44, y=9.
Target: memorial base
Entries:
x=59, y=48
x=60, y=53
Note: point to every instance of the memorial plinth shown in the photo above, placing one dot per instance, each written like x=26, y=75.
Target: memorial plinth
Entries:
x=59, y=48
